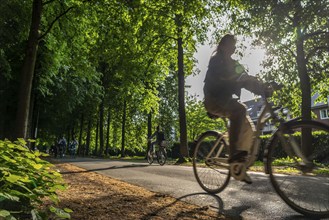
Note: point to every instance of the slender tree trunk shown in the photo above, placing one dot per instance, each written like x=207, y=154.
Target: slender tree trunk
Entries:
x=181, y=92
x=96, y=144
x=305, y=85
x=80, y=134
x=101, y=128
x=33, y=120
x=123, y=129
x=108, y=132
x=88, y=138
x=31, y=117
x=27, y=71
x=149, y=132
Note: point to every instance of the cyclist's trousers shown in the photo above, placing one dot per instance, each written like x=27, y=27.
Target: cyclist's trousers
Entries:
x=241, y=127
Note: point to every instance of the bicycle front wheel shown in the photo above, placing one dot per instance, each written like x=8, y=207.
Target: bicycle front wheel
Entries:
x=162, y=156
x=150, y=157
x=210, y=165
x=298, y=164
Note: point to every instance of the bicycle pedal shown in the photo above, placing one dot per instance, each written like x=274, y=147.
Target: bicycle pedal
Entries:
x=238, y=171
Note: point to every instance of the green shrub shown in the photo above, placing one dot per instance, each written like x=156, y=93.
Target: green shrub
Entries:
x=26, y=181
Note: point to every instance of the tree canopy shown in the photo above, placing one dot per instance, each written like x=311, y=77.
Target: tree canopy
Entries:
x=102, y=70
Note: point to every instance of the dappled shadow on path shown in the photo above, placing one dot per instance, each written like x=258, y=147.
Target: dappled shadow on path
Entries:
x=106, y=168
x=193, y=196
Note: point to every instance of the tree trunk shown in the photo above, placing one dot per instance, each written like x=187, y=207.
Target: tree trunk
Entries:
x=181, y=92
x=101, y=128
x=88, y=138
x=108, y=132
x=27, y=71
x=80, y=135
x=96, y=141
x=123, y=129
x=33, y=120
x=149, y=132
x=305, y=86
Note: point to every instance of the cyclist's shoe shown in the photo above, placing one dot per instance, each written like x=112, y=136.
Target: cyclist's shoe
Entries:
x=238, y=157
x=247, y=179
x=238, y=167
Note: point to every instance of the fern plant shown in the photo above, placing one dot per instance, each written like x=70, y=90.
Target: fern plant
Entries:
x=26, y=181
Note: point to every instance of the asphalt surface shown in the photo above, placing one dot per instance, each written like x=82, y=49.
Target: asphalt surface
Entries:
x=238, y=200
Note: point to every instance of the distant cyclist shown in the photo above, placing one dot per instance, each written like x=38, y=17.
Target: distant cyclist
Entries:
x=73, y=146
x=159, y=138
x=62, y=146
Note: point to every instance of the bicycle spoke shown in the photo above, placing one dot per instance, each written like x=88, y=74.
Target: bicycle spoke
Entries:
x=210, y=176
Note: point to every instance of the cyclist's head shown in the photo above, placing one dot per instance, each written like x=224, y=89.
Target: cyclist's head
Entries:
x=227, y=44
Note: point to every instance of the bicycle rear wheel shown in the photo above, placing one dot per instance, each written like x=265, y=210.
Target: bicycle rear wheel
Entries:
x=210, y=166
x=303, y=186
x=162, y=156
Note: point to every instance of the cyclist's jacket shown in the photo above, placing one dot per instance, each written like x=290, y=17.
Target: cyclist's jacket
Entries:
x=159, y=136
x=226, y=77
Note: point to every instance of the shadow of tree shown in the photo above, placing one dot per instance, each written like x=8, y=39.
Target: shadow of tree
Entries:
x=105, y=168
x=218, y=208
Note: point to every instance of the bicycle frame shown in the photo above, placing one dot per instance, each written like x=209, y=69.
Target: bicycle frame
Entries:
x=266, y=114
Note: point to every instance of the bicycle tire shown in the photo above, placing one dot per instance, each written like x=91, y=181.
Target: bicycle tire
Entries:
x=162, y=156
x=149, y=157
x=213, y=179
x=304, y=188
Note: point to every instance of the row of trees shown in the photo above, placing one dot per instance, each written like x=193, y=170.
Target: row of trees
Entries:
x=98, y=69
x=108, y=71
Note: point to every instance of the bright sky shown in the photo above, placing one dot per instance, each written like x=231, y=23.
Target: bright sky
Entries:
x=251, y=61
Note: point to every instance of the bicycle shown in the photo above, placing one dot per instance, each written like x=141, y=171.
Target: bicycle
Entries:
x=160, y=154
x=301, y=180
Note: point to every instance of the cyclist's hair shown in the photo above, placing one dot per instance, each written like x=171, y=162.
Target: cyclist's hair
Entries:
x=224, y=40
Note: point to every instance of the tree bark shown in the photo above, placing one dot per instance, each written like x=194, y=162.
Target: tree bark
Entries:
x=149, y=132
x=27, y=71
x=181, y=93
x=108, y=131
x=96, y=141
x=80, y=134
x=305, y=84
x=123, y=129
x=88, y=138
x=101, y=128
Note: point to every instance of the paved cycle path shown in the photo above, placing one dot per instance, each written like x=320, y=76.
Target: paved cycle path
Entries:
x=239, y=200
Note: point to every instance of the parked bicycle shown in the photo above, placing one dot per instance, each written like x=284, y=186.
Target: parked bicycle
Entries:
x=301, y=180
x=160, y=153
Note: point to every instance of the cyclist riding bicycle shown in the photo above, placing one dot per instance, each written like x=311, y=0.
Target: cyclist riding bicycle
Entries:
x=224, y=78
x=159, y=138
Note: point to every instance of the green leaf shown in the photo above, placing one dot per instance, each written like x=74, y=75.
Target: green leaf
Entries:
x=35, y=215
x=37, y=166
x=4, y=213
x=13, y=178
x=60, y=212
x=4, y=196
x=37, y=153
x=30, y=155
x=8, y=159
x=68, y=210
